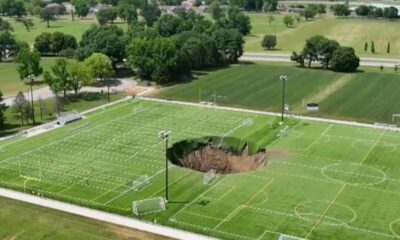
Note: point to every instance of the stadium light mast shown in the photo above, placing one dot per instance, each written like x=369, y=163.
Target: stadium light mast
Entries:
x=31, y=78
x=283, y=78
x=165, y=136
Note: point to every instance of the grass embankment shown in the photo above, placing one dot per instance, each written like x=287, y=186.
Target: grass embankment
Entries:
x=25, y=221
x=348, y=32
x=368, y=96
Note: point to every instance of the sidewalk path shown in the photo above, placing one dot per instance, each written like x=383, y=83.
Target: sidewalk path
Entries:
x=46, y=93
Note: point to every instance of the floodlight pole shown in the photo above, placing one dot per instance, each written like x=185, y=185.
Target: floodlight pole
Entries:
x=283, y=79
x=32, y=79
x=166, y=169
x=165, y=136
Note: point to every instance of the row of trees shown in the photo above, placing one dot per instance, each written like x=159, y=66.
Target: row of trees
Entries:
x=371, y=11
x=56, y=43
x=329, y=53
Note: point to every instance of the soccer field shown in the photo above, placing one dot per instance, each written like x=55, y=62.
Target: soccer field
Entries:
x=321, y=181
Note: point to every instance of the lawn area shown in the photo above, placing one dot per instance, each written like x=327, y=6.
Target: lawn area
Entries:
x=362, y=30
x=25, y=221
x=252, y=85
x=371, y=97
x=321, y=181
x=84, y=102
x=64, y=25
x=344, y=96
x=10, y=82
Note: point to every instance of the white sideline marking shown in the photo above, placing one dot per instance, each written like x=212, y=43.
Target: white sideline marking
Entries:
x=102, y=216
x=324, y=120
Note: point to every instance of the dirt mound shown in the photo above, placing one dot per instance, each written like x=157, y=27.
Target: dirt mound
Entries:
x=222, y=161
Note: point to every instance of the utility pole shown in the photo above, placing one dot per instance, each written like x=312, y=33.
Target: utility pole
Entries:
x=32, y=79
x=283, y=79
x=165, y=136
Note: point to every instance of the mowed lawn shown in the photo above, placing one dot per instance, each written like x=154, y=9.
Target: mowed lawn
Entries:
x=64, y=24
x=348, y=32
x=367, y=96
x=252, y=85
x=321, y=181
x=25, y=221
x=11, y=83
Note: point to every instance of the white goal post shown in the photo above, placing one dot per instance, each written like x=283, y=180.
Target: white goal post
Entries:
x=287, y=237
x=210, y=177
x=140, y=183
x=283, y=132
x=394, y=116
x=147, y=206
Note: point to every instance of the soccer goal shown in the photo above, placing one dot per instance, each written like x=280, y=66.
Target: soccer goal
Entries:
x=140, y=183
x=287, y=237
x=147, y=206
x=283, y=132
x=210, y=177
x=396, y=118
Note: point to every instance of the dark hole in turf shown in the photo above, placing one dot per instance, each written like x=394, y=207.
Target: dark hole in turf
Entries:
x=222, y=155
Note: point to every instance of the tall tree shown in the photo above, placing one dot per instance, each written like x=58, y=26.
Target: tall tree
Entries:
x=341, y=10
x=150, y=13
x=101, y=67
x=108, y=40
x=288, y=20
x=79, y=75
x=215, y=10
x=3, y=108
x=59, y=81
x=19, y=108
x=28, y=67
x=5, y=25
x=230, y=44
x=345, y=60
x=269, y=41
x=311, y=50
x=106, y=15
x=28, y=23
x=47, y=15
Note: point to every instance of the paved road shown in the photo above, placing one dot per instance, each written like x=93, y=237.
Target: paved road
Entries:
x=45, y=92
x=285, y=57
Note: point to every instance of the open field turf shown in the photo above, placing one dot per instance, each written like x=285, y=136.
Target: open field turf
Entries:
x=352, y=96
x=362, y=30
x=322, y=181
x=34, y=222
x=10, y=82
x=64, y=24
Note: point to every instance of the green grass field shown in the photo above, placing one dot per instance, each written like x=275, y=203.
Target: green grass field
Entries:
x=64, y=24
x=34, y=222
x=10, y=82
x=322, y=181
x=257, y=86
x=362, y=30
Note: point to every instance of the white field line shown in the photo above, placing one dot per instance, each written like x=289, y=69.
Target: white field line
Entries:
x=324, y=120
x=102, y=216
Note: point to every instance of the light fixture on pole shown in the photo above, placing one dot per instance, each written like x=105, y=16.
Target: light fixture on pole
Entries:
x=165, y=136
x=283, y=78
x=31, y=78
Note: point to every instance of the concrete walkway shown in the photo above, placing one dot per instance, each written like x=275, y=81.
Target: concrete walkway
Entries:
x=45, y=92
x=285, y=57
x=102, y=216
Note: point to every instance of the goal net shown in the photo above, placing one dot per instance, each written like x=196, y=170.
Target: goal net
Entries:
x=284, y=131
x=287, y=237
x=147, y=206
x=210, y=177
x=396, y=118
x=140, y=183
